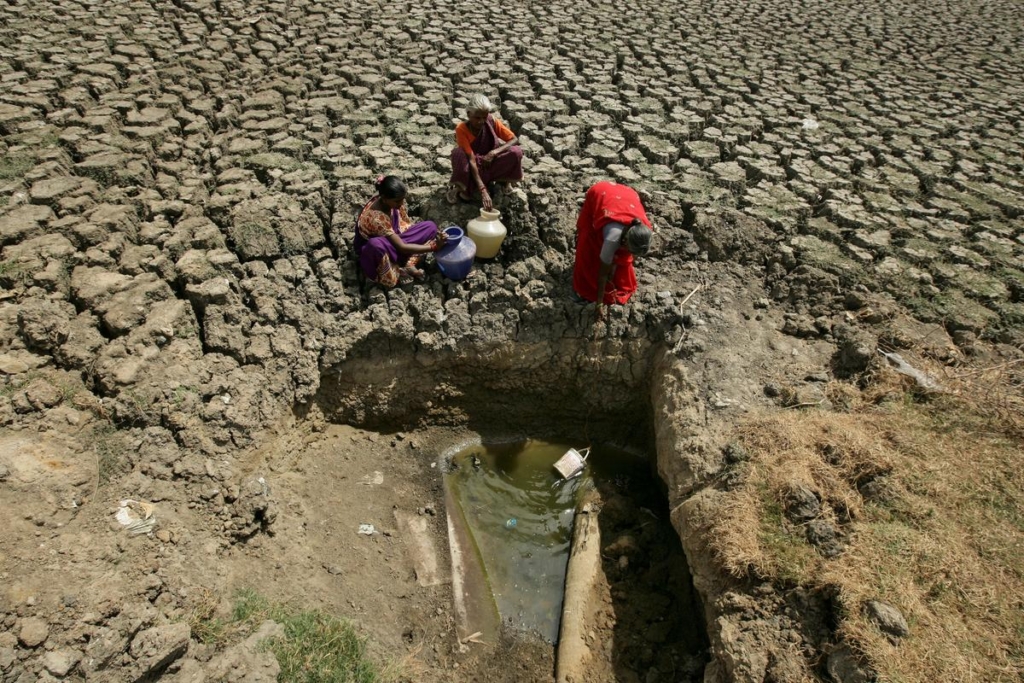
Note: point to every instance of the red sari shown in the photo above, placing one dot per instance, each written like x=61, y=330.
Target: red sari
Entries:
x=606, y=202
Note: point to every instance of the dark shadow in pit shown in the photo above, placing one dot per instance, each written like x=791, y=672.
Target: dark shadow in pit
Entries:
x=658, y=631
x=511, y=391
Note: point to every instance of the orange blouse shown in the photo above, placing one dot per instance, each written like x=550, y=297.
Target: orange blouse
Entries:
x=464, y=137
x=376, y=223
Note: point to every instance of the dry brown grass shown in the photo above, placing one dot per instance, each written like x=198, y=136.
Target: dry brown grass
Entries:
x=945, y=545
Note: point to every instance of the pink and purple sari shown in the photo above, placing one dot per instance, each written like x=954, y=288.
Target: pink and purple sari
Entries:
x=379, y=260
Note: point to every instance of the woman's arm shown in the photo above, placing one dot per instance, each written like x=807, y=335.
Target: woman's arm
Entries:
x=503, y=133
x=485, y=197
x=409, y=247
x=604, y=274
x=489, y=157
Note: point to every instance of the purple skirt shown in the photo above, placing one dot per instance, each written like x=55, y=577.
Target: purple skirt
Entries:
x=377, y=255
x=507, y=166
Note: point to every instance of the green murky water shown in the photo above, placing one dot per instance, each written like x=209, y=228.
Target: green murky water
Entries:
x=520, y=513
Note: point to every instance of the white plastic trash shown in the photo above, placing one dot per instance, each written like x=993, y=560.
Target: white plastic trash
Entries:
x=137, y=517
x=571, y=464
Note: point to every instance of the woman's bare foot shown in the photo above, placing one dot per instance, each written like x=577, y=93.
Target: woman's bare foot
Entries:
x=409, y=274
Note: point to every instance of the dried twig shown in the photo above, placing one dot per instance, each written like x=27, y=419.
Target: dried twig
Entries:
x=682, y=303
x=981, y=371
x=806, y=404
x=473, y=638
x=692, y=292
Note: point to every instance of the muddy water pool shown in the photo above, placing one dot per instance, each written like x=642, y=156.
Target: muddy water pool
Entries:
x=520, y=513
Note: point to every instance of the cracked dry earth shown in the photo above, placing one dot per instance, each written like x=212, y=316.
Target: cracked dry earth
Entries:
x=182, y=324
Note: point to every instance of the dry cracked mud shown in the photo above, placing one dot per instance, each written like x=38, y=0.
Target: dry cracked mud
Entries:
x=182, y=323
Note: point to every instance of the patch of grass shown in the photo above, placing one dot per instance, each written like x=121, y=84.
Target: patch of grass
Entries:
x=135, y=405
x=791, y=553
x=111, y=450
x=181, y=394
x=13, y=166
x=12, y=384
x=13, y=272
x=49, y=140
x=316, y=647
x=186, y=332
x=69, y=388
x=206, y=627
x=942, y=540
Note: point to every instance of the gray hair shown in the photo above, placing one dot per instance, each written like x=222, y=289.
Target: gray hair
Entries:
x=638, y=239
x=478, y=103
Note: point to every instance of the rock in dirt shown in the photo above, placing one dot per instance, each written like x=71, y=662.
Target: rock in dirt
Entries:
x=801, y=504
x=61, y=662
x=253, y=511
x=44, y=324
x=248, y=662
x=103, y=648
x=24, y=222
x=155, y=648
x=889, y=619
x=743, y=657
x=878, y=489
x=33, y=632
x=41, y=394
x=7, y=658
x=823, y=535
x=856, y=350
x=735, y=452
x=727, y=235
x=845, y=667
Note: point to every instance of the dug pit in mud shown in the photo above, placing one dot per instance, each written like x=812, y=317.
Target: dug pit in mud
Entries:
x=643, y=615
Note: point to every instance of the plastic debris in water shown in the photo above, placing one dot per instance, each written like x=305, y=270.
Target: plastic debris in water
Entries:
x=810, y=124
x=571, y=464
x=511, y=523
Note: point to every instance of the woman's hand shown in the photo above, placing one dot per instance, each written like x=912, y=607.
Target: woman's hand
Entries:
x=441, y=238
x=485, y=199
x=489, y=157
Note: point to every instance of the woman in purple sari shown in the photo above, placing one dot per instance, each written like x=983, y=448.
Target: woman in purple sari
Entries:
x=388, y=244
x=486, y=151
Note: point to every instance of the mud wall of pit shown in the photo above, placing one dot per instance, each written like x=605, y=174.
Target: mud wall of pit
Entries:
x=567, y=387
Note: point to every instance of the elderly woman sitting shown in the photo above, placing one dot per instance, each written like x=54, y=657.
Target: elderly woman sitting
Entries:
x=486, y=151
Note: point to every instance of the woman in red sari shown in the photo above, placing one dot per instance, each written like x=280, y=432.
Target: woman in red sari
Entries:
x=486, y=151
x=611, y=229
